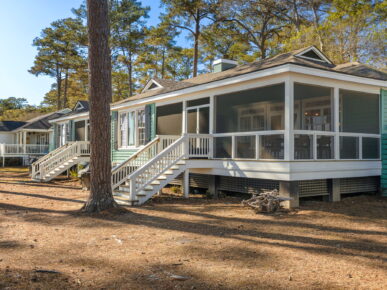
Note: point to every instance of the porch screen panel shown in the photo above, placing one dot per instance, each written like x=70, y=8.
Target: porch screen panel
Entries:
x=370, y=148
x=204, y=120
x=192, y=119
x=359, y=112
x=80, y=131
x=223, y=147
x=313, y=108
x=169, y=119
x=271, y=147
x=257, y=109
x=349, y=147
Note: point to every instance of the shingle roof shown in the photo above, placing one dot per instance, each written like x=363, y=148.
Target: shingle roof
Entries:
x=42, y=122
x=86, y=108
x=284, y=58
x=7, y=126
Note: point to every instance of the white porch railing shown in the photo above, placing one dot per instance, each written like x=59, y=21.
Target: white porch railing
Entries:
x=20, y=149
x=162, y=162
x=36, y=165
x=75, y=149
x=121, y=172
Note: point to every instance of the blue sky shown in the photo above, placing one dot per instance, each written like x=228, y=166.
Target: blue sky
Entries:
x=20, y=22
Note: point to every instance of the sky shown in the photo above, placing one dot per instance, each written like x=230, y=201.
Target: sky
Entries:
x=20, y=22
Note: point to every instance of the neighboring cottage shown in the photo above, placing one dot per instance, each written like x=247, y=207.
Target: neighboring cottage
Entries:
x=296, y=122
x=27, y=139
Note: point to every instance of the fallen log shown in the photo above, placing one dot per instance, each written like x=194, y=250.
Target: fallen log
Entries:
x=268, y=201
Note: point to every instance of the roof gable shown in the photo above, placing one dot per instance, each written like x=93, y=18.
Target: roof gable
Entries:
x=152, y=85
x=312, y=53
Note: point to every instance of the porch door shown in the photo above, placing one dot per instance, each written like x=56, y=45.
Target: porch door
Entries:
x=198, y=120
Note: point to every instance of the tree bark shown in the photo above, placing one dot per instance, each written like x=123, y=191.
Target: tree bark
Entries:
x=64, y=104
x=58, y=88
x=100, y=95
x=196, y=44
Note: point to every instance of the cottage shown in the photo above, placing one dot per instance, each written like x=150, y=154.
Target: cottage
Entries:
x=27, y=140
x=296, y=122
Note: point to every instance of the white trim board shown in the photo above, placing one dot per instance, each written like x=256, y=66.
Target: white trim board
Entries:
x=286, y=68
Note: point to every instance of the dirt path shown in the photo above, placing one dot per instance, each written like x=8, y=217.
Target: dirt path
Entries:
x=213, y=244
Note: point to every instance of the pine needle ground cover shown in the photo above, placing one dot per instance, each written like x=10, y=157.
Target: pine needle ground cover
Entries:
x=185, y=244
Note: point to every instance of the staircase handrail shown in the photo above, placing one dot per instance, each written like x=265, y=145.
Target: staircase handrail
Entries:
x=125, y=168
x=36, y=165
x=136, y=186
x=74, y=149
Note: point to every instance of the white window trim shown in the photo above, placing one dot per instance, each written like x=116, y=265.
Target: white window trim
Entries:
x=129, y=147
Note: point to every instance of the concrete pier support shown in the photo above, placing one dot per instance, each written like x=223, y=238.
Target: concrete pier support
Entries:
x=213, y=186
x=186, y=183
x=334, y=194
x=290, y=189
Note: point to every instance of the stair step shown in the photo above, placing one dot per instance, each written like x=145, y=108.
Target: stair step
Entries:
x=161, y=177
x=120, y=193
x=155, y=182
x=175, y=167
x=168, y=172
x=141, y=194
x=181, y=162
x=148, y=188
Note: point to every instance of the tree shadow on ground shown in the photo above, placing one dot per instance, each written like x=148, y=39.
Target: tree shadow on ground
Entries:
x=265, y=232
x=13, y=278
x=34, y=195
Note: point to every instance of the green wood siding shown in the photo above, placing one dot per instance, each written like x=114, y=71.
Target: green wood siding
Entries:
x=123, y=154
x=383, y=123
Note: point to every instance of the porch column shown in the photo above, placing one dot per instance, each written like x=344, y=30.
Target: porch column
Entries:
x=212, y=115
x=186, y=183
x=336, y=121
x=184, y=119
x=288, y=120
x=290, y=189
x=24, y=141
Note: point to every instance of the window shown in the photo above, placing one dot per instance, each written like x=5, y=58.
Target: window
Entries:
x=313, y=107
x=257, y=109
x=124, y=129
x=132, y=129
x=141, y=127
x=359, y=112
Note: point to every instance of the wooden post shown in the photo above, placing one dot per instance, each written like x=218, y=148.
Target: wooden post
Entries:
x=186, y=183
x=290, y=189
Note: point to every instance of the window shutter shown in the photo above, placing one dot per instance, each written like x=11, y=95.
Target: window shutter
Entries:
x=148, y=125
x=114, y=131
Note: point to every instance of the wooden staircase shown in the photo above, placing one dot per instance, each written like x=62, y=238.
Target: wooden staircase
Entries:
x=60, y=160
x=149, y=170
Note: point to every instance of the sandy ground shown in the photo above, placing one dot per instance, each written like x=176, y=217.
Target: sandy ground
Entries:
x=185, y=244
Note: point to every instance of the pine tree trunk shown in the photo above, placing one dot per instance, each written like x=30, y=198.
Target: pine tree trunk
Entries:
x=130, y=74
x=100, y=95
x=58, y=89
x=196, y=45
x=64, y=104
